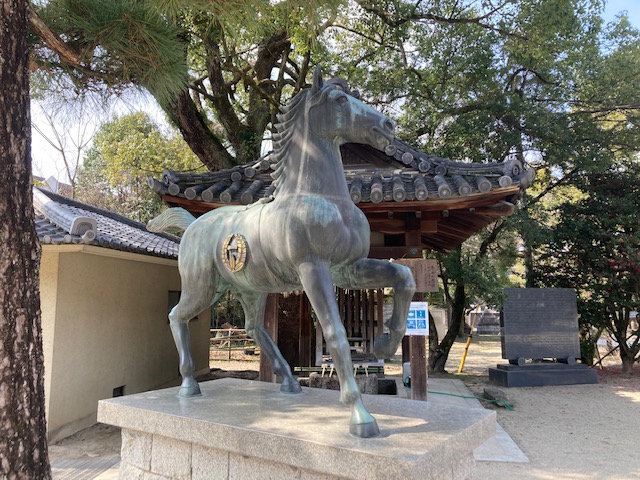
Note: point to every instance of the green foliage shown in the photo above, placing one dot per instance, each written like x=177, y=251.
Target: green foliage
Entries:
x=543, y=81
x=465, y=79
x=121, y=43
x=125, y=152
x=482, y=266
x=595, y=249
x=224, y=52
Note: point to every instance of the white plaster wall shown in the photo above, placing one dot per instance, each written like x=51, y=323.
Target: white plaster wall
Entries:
x=110, y=330
x=48, y=301
x=440, y=318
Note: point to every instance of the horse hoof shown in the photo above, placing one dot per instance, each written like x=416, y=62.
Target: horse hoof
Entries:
x=290, y=387
x=365, y=430
x=382, y=347
x=189, y=391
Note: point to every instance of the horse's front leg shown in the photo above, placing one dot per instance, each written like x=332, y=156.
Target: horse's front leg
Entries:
x=371, y=273
x=317, y=283
x=253, y=305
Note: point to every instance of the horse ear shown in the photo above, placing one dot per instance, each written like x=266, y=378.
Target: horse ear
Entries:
x=317, y=80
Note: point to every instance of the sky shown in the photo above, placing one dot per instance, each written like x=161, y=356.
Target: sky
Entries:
x=631, y=6
x=47, y=160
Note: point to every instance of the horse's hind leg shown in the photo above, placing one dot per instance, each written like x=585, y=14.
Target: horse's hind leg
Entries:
x=371, y=273
x=317, y=283
x=253, y=305
x=194, y=299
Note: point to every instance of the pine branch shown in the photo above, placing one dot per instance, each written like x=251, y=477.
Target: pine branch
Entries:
x=66, y=53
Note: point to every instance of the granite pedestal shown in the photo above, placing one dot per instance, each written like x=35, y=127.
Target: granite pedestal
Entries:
x=542, y=374
x=240, y=429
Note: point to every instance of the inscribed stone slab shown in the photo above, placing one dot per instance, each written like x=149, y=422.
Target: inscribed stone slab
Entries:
x=540, y=323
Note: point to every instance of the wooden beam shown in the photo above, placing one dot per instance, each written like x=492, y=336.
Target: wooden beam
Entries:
x=395, y=252
x=500, y=209
x=397, y=226
x=193, y=206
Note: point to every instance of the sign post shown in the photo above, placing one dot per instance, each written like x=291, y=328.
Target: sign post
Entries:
x=425, y=273
x=418, y=331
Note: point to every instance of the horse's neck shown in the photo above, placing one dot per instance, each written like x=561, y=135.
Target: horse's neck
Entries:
x=312, y=166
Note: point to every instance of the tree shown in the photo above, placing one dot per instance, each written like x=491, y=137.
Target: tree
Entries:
x=543, y=82
x=478, y=82
x=23, y=450
x=222, y=73
x=210, y=65
x=69, y=143
x=125, y=152
x=595, y=249
x=474, y=273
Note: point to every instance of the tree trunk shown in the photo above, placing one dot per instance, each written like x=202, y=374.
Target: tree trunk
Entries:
x=433, y=339
x=627, y=354
x=627, y=365
x=527, y=249
x=184, y=114
x=438, y=360
x=23, y=448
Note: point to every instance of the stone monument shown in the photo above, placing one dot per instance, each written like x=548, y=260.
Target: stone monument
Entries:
x=309, y=235
x=539, y=336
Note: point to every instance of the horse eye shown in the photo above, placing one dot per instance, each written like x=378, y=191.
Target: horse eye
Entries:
x=342, y=99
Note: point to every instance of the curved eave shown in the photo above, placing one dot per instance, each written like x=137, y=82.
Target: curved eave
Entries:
x=474, y=200
x=436, y=202
x=442, y=223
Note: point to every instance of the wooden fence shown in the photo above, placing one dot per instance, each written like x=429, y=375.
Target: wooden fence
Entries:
x=230, y=339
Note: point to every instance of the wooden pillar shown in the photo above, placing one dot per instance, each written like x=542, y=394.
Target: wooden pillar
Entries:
x=379, y=312
x=319, y=345
x=406, y=349
x=371, y=334
x=418, y=349
x=306, y=326
x=271, y=326
x=417, y=343
x=418, y=361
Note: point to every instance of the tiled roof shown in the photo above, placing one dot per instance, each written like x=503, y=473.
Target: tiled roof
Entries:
x=401, y=174
x=398, y=189
x=61, y=220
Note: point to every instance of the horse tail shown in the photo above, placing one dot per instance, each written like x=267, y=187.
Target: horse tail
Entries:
x=175, y=217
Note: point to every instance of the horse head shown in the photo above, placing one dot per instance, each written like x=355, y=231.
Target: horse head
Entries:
x=336, y=115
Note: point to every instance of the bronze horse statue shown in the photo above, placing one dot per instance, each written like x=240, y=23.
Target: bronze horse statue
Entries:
x=309, y=235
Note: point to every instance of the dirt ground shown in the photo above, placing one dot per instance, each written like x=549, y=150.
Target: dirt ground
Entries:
x=575, y=432
x=568, y=432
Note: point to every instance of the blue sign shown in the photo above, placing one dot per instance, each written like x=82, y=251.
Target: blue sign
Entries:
x=418, y=319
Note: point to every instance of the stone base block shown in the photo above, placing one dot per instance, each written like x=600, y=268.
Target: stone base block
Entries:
x=241, y=429
x=541, y=374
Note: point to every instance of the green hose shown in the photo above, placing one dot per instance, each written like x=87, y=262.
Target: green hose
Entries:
x=500, y=403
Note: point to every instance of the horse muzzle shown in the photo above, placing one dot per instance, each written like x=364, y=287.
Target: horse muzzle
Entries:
x=386, y=130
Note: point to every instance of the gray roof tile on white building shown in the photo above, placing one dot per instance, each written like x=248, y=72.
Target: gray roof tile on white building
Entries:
x=62, y=220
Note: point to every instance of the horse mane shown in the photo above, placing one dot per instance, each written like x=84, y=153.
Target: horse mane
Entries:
x=287, y=120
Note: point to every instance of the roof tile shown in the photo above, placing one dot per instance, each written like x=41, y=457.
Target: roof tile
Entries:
x=114, y=231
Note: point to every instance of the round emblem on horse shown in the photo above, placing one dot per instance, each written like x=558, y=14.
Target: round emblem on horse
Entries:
x=234, y=252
